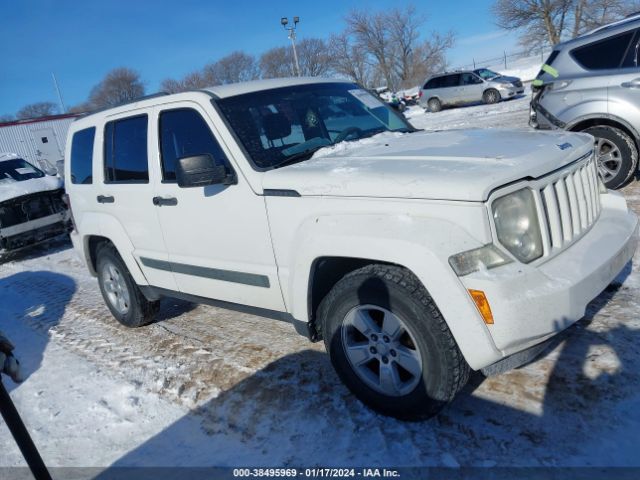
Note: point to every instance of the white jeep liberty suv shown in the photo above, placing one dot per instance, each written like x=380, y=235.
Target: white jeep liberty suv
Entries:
x=415, y=256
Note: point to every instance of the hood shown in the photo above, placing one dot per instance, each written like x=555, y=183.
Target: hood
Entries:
x=463, y=165
x=12, y=189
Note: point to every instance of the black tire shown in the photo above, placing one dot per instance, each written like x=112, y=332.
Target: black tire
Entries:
x=444, y=370
x=434, y=105
x=140, y=311
x=491, y=96
x=627, y=154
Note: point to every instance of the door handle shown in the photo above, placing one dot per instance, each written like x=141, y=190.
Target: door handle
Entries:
x=635, y=83
x=166, y=201
x=105, y=199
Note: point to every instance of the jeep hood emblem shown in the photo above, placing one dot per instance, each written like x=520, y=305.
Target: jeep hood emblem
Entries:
x=564, y=146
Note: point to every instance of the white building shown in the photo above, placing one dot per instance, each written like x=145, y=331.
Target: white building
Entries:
x=39, y=141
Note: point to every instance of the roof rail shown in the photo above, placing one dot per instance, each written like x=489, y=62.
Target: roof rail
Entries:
x=628, y=19
x=128, y=102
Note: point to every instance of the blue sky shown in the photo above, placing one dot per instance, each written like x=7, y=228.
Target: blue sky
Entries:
x=82, y=40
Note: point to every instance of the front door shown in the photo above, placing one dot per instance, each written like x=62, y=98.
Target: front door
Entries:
x=217, y=236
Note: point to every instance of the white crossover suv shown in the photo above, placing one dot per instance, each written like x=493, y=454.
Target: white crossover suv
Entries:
x=415, y=256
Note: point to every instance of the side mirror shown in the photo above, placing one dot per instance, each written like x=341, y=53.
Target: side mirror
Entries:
x=201, y=170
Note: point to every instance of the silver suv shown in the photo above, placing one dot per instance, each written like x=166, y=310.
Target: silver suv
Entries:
x=457, y=88
x=592, y=84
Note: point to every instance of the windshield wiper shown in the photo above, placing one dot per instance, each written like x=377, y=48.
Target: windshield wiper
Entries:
x=300, y=156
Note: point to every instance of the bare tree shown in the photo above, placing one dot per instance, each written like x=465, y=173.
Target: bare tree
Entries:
x=81, y=108
x=371, y=34
x=7, y=118
x=36, y=110
x=426, y=59
x=544, y=22
x=391, y=42
x=118, y=86
x=233, y=68
x=348, y=59
x=193, y=81
x=600, y=12
x=313, y=57
x=277, y=63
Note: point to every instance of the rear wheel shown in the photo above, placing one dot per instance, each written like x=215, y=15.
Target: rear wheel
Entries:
x=121, y=294
x=389, y=343
x=616, y=155
x=434, y=105
x=491, y=96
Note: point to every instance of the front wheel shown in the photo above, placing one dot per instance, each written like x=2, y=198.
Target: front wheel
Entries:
x=121, y=294
x=389, y=343
x=491, y=96
x=616, y=155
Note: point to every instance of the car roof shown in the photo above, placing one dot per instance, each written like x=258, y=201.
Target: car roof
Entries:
x=233, y=89
x=219, y=91
x=4, y=156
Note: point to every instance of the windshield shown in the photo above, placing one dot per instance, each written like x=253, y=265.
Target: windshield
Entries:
x=18, y=170
x=486, y=74
x=283, y=125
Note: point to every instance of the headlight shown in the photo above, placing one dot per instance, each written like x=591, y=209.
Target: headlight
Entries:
x=517, y=225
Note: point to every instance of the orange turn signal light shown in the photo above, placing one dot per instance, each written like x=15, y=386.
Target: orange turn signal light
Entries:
x=480, y=299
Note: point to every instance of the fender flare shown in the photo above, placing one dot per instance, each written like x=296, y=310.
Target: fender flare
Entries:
x=606, y=116
x=107, y=226
x=425, y=255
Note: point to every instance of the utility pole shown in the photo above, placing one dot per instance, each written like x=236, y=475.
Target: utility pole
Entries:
x=284, y=21
x=55, y=84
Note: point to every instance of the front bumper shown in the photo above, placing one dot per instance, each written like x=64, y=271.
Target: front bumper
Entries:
x=530, y=304
x=509, y=91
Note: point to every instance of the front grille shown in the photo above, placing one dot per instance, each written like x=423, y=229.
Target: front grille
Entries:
x=571, y=204
x=30, y=207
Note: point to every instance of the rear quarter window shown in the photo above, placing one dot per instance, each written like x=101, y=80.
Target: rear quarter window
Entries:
x=433, y=83
x=604, y=54
x=82, y=156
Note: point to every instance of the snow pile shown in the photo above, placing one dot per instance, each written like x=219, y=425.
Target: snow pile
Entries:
x=343, y=148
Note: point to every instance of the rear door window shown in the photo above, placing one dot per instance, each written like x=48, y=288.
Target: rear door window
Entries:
x=604, y=54
x=82, y=156
x=184, y=133
x=451, y=80
x=125, y=151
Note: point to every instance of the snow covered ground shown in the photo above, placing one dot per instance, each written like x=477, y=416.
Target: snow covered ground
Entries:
x=205, y=386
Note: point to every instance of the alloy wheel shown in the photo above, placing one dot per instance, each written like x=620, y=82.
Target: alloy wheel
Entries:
x=381, y=350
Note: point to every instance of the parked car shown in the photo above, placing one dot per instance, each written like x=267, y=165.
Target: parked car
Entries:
x=32, y=209
x=469, y=86
x=415, y=255
x=592, y=84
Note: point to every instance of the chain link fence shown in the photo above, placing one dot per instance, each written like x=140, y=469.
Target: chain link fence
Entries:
x=507, y=60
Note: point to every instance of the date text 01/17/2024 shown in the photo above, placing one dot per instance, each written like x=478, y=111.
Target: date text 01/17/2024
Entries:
x=316, y=472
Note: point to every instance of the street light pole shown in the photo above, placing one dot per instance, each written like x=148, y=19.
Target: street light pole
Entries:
x=292, y=36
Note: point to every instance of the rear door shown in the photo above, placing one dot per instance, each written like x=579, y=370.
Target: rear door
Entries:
x=624, y=84
x=450, y=88
x=217, y=236
x=125, y=191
